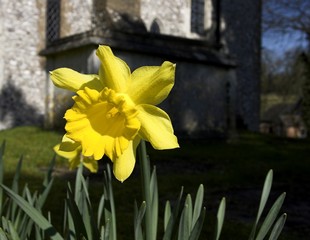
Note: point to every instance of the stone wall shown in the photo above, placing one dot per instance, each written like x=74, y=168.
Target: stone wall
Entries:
x=22, y=75
x=131, y=7
x=173, y=17
x=76, y=17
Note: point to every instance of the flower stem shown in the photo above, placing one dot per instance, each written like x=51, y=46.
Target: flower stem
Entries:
x=150, y=232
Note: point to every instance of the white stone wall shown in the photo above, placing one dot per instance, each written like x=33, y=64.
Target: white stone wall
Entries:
x=76, y=17
x=173, y=17
x=1, y=44
x=22, y=75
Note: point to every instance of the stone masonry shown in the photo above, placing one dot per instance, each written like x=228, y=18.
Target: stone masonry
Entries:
x=22, y=75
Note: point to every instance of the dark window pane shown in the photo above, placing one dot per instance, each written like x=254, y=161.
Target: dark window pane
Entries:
x=52, y=20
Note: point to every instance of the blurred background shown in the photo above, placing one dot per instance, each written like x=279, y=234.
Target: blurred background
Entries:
x=240, y=65
x=240, y=104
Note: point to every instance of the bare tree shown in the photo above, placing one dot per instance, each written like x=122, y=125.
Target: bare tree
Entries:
x=292, y=16
x=282, y=75
x=287, y=16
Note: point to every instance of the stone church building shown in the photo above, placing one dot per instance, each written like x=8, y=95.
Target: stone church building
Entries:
x=215, y=44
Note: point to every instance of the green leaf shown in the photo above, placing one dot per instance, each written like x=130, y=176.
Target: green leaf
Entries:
x=189, y=202
x=220, y=218
x=48, y=176
x=42, y=197
x=13, y=231
x=195, y=233
x=277, y=229
x=3, y=235
x=154, y=202
x=34, y=214
x=173, y=218
x=102, y=233
x=167, y=214
x=100, y=210
x=271, y=217
x=109, y=214
x=183, y=232
x=78, y=186
x=86, y=211
x=5, y=224
x=139, y=214
x=107, y=232
x=198, y=204
x=263, y=200
x=1, y=174
x=79, y=227
x=16, y=175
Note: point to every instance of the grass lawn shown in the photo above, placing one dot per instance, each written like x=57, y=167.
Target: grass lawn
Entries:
x=233, y=170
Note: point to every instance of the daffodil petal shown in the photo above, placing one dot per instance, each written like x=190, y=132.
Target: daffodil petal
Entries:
x=151, y=85
x=156, y=127
x=72, y=151
x=65, y=154
x=74, y=162
x=91, y=164
x=71, y=80
x=68, y=145
x=69, y=150
x=124, y=164
x=114, y=72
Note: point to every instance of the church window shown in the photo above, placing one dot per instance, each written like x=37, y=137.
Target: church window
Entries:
x=52, y=20
x=155, y=28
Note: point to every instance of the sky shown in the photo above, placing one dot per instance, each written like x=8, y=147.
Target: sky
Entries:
x=280, y=43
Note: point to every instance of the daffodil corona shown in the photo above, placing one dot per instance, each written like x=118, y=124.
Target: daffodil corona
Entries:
x=114, y=110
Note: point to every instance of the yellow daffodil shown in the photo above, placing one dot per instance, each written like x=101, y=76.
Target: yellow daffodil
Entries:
x=115, y=109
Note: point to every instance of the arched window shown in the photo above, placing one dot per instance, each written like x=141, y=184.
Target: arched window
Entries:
x=52, y=20
x=155, y=28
